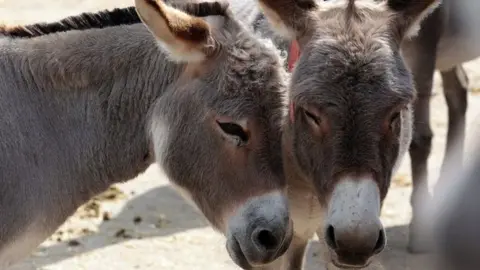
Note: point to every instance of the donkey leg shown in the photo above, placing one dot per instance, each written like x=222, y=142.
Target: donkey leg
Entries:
x=419, y=152
x=420, y=148
x=307, y=214
x=296, y=254
x=455, y=88
x=24, y=222
x=420, y=56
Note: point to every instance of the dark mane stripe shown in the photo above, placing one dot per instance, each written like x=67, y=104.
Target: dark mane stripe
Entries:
x=203, y=9
x=87, y=20
x=351, y=13
x=107, y=18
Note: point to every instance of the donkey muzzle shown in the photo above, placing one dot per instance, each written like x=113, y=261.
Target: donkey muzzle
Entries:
x=260, y=231
x=353, y=230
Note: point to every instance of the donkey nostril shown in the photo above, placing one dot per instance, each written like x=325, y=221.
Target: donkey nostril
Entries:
x=265, y=239
x=380, y=245
x=330, y=237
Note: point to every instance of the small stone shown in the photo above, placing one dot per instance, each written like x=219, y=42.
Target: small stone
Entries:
x=122, y=233
x=73, y=243
x=112, y=193
x=90, y=210
x=86, y=231
x=107, y=216
x=137, y=220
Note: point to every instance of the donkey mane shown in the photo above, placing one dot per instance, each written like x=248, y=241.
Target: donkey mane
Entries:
x=106, y=18
x=87, y=20
x=351, y=13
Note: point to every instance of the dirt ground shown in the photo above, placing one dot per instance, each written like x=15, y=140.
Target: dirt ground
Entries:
x=144, y=224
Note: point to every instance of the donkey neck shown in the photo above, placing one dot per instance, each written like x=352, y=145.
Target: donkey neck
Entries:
x=95, y=89
x=93, y=59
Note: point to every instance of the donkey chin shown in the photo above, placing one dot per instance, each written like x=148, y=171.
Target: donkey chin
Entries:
x=353, y=231
x=260, y=231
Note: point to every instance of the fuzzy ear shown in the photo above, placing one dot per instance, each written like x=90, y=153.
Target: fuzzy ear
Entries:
x=408, y=15
x=288, y=17
x=183, y=36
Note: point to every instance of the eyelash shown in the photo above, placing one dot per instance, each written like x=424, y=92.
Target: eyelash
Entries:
x=395, y=118
x=312, y=117
x=235, y=131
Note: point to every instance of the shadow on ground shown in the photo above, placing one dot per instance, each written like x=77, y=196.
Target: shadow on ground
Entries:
x=159, y=212
x=163, y=205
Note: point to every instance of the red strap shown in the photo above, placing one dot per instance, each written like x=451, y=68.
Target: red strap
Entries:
x=291, y=112
x=293, y=55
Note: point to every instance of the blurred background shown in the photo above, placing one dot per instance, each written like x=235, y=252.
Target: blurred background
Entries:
x=144, y=224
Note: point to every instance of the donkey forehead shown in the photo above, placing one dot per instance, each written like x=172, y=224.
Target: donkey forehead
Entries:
x=366, y=11
x=250, y=82
x=367, y=34
x=362, y=74
x=240, y=105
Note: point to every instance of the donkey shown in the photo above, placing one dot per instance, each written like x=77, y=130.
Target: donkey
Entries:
x=457, y=216
x=447, y=38
x=349, y=122
x=453, y=210
x=95, y=99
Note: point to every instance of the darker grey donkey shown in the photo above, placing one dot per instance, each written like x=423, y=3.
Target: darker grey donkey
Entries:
x=93, y=100
x=453, y=214
x=447, y=38
x=349, y=122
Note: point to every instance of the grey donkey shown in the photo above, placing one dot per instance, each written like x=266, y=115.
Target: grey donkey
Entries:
x=446, y=39
x=456, y=214
x=349, y=123
x=95, y=99
x=453, y=211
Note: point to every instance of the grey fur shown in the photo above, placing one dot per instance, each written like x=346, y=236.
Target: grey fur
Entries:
x=447, y=38
x=451, y=26
x=347, y=86
x=456, y=214
x=82, y=110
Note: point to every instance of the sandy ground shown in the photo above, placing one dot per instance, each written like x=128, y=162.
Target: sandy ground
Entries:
x=144, y=224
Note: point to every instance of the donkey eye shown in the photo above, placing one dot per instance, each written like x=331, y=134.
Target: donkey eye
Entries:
x=234, y=130
x=394, y=119
x=312, y=117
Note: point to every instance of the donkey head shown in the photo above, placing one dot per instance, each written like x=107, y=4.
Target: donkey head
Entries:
x=217, y=129
x=350, y=103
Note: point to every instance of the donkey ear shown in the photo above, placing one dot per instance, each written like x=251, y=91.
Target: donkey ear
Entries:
x=408, y=15
x=288, y=17
x=183, y=36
